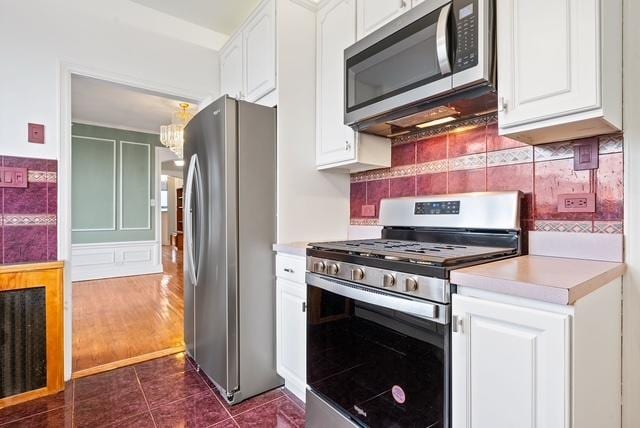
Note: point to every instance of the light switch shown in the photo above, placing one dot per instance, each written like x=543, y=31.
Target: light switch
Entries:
x=585, y=154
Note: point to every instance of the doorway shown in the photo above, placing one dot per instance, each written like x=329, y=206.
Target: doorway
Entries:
x=127, y=287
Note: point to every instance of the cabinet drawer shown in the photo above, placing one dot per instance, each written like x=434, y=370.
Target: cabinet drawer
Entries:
x=291, y=268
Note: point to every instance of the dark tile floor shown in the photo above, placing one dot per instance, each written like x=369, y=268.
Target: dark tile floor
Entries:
x=166, y=392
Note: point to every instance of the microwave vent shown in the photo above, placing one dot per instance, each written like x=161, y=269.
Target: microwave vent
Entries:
x=424, y=116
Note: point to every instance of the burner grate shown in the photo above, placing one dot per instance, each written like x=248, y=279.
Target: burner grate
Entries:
x=432, y=252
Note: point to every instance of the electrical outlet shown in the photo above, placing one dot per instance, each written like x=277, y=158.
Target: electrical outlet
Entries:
x=577, y=203
x=368, y=211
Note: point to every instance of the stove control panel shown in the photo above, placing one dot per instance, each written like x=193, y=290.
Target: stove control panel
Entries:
x=437, y=208
x=423, y=287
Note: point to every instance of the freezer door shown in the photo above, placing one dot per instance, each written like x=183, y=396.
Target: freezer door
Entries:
x=211, y=135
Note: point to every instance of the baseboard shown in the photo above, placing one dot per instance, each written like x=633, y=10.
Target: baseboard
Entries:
x=115, y=259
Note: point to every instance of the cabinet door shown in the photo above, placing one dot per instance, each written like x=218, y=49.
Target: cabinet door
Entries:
x=373, y=14
x=291, y=300
x=510, y=366
x=335, y=142
x=260, y=52
x=231, y=68
x=548, y=59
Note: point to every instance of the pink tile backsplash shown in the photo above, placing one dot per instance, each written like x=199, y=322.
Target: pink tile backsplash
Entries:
x=476, y=158
x=28, y=216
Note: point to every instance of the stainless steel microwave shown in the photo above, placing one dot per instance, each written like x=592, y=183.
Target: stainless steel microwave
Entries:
x=433, y=64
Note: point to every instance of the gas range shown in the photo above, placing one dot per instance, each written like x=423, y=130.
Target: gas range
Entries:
x=422, y=242
x=385, y=302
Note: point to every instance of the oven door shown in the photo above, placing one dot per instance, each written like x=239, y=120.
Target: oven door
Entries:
x=407, y=61
x=374, y=358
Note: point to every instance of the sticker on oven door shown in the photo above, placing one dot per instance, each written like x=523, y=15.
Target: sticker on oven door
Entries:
x=398, y=394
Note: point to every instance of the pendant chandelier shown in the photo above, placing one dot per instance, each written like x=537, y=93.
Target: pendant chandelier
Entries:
x=172, y=136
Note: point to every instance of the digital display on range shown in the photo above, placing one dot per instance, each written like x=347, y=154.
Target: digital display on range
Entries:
x=437, y=208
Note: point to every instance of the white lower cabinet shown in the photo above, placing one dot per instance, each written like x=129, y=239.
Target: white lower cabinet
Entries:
x=522, y=363
x=509, y=366
x=291, y=320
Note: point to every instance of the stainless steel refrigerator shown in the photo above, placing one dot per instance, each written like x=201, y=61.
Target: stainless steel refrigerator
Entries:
x=229, y=227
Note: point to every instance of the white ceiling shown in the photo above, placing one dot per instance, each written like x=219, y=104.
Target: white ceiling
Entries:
x=99, y=102
x=223, y=16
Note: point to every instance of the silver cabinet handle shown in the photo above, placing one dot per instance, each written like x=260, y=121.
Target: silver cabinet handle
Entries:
x=304, y=306
x=456, y=324
x=289, y=270
x=403, y=4
x=347, y=145
x=502, y=104
x=441, y=40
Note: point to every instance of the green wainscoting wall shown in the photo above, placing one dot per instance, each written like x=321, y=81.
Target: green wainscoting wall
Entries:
x=112, y=184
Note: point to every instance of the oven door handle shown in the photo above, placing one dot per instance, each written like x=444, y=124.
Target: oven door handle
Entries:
x=442, y=45
x=430, y=311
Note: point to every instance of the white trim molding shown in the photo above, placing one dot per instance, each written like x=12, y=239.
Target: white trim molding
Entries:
x=115, y=126
x=120, y=204
x=115, y=161
x=115, y=259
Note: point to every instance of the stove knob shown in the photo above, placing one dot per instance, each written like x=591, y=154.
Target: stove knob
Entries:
x=318, y=267
x=410, y=284
x=357, y=274
x=388, y=280
x=333, y=269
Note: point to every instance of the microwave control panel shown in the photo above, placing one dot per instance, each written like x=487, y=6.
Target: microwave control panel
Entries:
x=466, y=20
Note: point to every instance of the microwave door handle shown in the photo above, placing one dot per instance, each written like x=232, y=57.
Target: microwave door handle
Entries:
x=442, y=45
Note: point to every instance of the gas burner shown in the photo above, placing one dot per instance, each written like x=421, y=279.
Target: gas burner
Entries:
x=415, y=251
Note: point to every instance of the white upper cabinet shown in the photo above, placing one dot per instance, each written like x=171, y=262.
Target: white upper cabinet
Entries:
x=337, y=145
x=259, y=45
x=231, y=70
x=248, y=59
x=559, y=68
x=510, y=366
x=373, y=14
x=336, y=31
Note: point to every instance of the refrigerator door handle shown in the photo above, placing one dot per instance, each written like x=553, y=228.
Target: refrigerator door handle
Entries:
x=192, y=175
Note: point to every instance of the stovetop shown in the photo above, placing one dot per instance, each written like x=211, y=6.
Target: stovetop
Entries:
x=435, y=253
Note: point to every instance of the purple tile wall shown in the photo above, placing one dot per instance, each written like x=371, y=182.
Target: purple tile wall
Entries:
x=473, y=157
x=28, y=216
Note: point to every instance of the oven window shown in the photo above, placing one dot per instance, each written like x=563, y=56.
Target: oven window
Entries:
x=378, y=366
x=403, y=61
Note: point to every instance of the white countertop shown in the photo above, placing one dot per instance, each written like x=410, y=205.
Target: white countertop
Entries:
x=292, y=248
x=549, y=279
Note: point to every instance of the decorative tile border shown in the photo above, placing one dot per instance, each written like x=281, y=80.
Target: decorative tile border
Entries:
x=41, y=177
x=433, y=167
x=468, y=162
x=510, y=156
x=553, y=151
x=611, y=144
x=563, y=226
x=364, y=221
x=29, y=219
x=609, y=227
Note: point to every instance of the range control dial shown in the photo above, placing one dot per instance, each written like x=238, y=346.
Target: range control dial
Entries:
x=410, y=284
x=357, y=274
x=388, y=280
x=333, y=269
x=318, y=267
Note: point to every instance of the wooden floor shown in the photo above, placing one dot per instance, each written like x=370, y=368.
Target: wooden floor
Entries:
x=119, y=321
